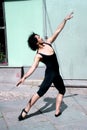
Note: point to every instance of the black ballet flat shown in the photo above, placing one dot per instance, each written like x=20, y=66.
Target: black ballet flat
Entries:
x=20, y=118
x=56, y=115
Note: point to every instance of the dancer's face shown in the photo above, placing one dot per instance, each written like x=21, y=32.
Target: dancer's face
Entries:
x=39, y=39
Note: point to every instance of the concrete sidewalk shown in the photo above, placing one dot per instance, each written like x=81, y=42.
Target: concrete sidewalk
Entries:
x=41, y=115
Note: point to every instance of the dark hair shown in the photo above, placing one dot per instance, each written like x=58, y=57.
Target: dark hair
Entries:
x=32, y=42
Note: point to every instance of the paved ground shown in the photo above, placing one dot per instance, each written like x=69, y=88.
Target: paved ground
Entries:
x=41, y=116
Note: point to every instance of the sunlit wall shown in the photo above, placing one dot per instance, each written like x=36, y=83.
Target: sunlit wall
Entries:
x=23, y=17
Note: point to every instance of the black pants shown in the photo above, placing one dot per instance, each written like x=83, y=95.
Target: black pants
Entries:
x=52, y=77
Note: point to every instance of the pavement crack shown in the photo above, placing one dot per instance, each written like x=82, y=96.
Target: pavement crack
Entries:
x=5, y=121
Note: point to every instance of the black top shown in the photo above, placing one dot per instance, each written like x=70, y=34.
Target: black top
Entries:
x=50, y=60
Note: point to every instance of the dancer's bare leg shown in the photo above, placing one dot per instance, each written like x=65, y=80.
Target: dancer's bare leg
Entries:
x=59, y=99
x=31, y=102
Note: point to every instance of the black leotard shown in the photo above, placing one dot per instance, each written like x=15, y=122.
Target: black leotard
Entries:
x=52, y=74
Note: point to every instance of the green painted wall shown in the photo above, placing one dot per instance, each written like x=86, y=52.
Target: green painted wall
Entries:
x=22, y=18
x=71, y=45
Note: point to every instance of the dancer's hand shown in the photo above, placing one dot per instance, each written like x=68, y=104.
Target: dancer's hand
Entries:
x=20, y=81
x=68, y=17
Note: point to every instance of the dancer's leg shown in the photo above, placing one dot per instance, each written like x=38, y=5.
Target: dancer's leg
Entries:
x=31, y=102
x=59, y=99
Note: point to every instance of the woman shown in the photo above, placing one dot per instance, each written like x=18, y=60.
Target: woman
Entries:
x=45, y=53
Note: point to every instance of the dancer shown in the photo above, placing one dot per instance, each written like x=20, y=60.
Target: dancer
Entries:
x=46, y=54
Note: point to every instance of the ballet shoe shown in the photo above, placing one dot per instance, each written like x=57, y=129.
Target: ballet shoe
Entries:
x=56, y=115
x=20, y=118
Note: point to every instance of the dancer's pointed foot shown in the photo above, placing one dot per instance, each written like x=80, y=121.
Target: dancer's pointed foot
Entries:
x=56, y=115
x=21, y=117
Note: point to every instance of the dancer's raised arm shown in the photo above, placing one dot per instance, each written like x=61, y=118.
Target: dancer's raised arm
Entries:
x=59, y=28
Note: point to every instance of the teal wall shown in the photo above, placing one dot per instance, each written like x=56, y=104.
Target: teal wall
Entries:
x=23, y=17
x=71, y=45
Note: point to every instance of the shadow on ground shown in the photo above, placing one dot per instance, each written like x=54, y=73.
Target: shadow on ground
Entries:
x=49, y=106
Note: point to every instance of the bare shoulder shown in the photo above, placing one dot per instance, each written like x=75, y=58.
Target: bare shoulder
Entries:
x=38, y=56
x=48, y=41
